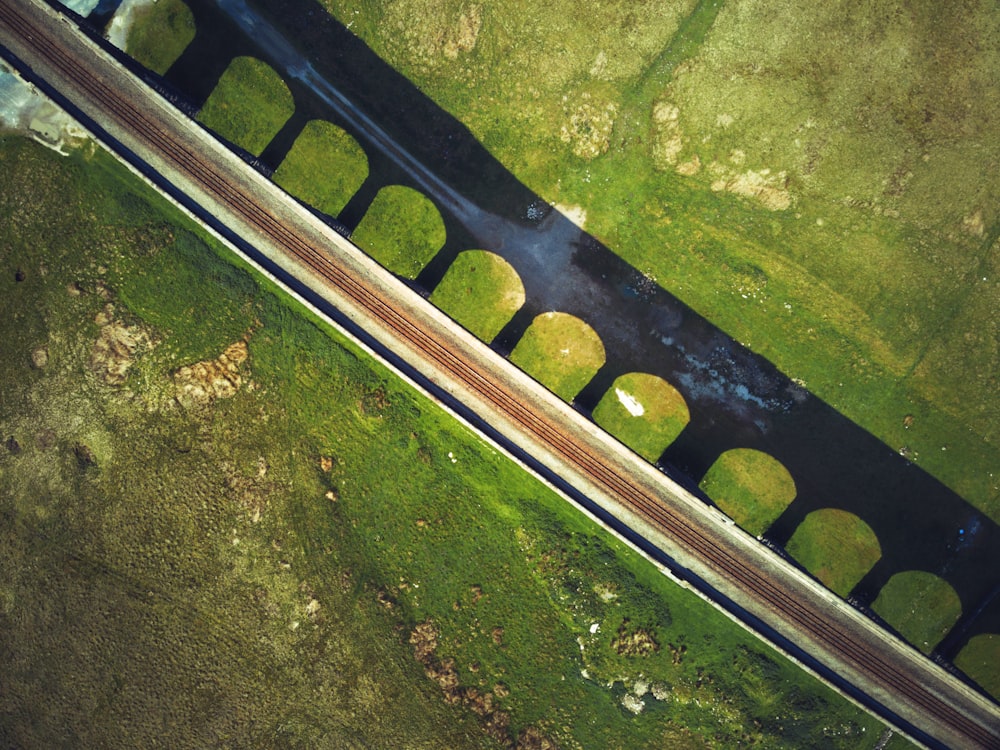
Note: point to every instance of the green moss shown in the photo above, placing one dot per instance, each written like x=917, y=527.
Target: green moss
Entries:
x=402, y=230
x=561, y=351
x=324, y=168
x=835, y=546
x=980, y=659
x=921, y=606
x=159, y=33
x=249, y=105
x=481, y=291
x=663, y=413
x=750, y=487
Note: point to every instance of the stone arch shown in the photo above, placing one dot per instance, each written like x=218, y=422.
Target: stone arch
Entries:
x=561, y=352
x=835, y=546
x=402, y=230
x=643, y=411
x=980, y=660
x=750, y=486
x=921, y=606
x=324, y=167
x=481, y=291
x=249, y=105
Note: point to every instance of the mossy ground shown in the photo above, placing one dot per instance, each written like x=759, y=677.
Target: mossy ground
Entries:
x=324, y=168
x=561, y=351
x=402, y=230
x=664, y=413
x=750, y=487
x=250, y=570
x=920, y=606
x=481, y=292
x=249, y=105
x=159, y=33
x=980, y=659
x=835, y=546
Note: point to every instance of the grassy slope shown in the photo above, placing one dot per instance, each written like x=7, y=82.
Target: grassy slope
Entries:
x=324, y=168
x=481, y=292
x=875, y=286
x=402, y=230
x=249, y=105
x=982, y=659
x=159, y=34
x=835, y=546
x=161, y=587
x=561, y=352
x=664, y=414
x=750, y=487
x=920, y=606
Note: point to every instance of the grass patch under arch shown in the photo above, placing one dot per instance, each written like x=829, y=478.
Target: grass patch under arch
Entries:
x=648, y=432
x=402, y=230
x=750, y=487
x=835, y=546
x=481, y=291
x=159, y=34
x=324, y=168
x=561, y=352
x=980, y=659
x=921, y=606
x=249, y=106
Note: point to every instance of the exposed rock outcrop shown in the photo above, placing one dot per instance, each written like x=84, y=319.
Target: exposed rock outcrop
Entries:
x=495, y=723
x=202, y=383
x=115, y=351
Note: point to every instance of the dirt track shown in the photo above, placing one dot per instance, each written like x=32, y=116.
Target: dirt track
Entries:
x=918, y=692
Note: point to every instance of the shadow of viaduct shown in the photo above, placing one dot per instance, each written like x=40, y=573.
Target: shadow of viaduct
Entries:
x=736, y=399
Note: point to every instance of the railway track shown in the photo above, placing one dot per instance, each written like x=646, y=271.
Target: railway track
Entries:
x=641, y=498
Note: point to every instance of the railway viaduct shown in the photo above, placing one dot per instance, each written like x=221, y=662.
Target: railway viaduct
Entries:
x=735, y=398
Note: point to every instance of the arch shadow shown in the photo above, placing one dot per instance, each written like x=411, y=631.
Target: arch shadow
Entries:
x=736, y=399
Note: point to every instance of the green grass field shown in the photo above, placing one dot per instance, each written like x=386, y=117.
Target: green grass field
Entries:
x=920, y=606
x=750, y=487
x=980, y=659
x=249, y=105
x=402, y=230
x=644, y=412
x=835, y=546
x=560, y=351
x=832, y=204
x=159, y=33
x=875, y=285
x=481, y=292
x=256, y=566
x=324, y=168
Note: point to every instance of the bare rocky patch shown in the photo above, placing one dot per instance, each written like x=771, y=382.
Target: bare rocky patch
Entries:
x=588, y=126
x=767, y=188
x=200, y=384
x=116, y=350
x=495, y=722
x=668, y=138
x=631, y=641
x=432, y=33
